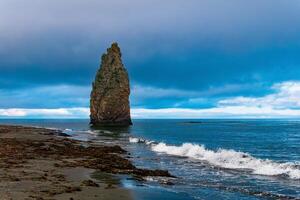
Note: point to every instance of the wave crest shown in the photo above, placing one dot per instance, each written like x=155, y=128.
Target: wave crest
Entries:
x=140, y=140
x=230, y=159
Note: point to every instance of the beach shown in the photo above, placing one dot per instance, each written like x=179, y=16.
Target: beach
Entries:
x=214, y=159
x=39, y=163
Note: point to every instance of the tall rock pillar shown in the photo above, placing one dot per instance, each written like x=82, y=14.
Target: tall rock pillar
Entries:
x=109, y=104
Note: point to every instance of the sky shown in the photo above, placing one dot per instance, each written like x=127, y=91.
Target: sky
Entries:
x=185, y=59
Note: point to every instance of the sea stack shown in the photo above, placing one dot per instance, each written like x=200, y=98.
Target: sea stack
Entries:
x=109, y=104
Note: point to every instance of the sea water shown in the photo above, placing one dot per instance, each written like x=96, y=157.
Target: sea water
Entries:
x=212, y=159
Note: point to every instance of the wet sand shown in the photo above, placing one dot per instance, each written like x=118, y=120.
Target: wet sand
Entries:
x=38, y=163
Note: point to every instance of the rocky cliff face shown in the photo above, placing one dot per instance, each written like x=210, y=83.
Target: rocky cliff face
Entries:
x=109, y=103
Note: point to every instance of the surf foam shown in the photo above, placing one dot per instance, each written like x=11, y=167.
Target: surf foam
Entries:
x=230, y=159
x=140, y=140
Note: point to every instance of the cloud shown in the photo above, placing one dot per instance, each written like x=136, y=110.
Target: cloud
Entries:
x=175, y=113
x=53, y=96
x=218, y=112
x=45, y=113
x=284, y=102
x=171, y=44
x=286, y=96
x=140, y=93
x=156, y=97
x=117, y=16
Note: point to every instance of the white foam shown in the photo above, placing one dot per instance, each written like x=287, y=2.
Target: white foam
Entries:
x=90, y=132
x=149, y=142
x=136, y=140
x=133, y=140
x=149, y=178
x=140, y=140
x=230, y=159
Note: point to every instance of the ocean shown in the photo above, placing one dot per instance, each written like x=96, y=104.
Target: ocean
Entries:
x=212, y=159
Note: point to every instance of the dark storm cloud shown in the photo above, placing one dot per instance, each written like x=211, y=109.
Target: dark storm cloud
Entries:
x=181, y=45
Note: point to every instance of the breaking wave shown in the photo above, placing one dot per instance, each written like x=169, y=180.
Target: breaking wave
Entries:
x=140, y=140
x=231, y=159
x=228, y=159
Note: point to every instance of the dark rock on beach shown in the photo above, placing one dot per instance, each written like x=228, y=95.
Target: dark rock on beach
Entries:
x=109, y=104
x=39, y=163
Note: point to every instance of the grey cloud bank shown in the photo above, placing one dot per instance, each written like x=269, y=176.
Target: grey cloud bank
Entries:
x=183, y=51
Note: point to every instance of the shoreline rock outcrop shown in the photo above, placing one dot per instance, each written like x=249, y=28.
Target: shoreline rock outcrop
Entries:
x=39, y=163
x=109, y=104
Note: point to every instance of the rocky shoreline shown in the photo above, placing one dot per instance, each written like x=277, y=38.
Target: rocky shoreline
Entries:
x=39, y=163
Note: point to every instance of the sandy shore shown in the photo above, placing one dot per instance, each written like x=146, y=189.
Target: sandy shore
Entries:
x=38, y=163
